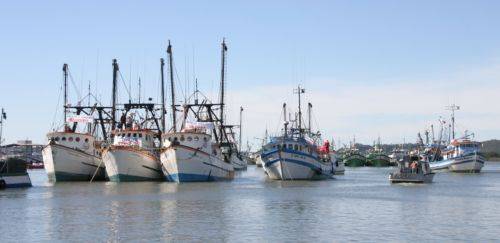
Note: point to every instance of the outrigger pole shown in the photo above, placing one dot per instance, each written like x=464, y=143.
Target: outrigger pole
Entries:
x=285, y=122
x=299, y=92
x=113, y=105
x=241, y=115
x=172, y=88
x=309, y=109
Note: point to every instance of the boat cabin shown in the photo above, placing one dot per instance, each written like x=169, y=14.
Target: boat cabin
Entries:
x=134, y=138
x=74, y=140
x=460, y=147
x=201, y=141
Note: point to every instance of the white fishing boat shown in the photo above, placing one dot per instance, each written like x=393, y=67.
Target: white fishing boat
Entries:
x=133, y=156
x=338, y=163
x=462, y=155
x=70, y=154
x=194, y=156
x=295, y=155
x=201, y=151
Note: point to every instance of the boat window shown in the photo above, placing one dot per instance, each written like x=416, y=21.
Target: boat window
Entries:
x=169, y=139
x=300, y=147
x=86, y=140
x=70, y=139
x=175, y=138
x=77, y=139
x=290, y=146
x=189, y=139
x=63, y=139
x=134, y=135
x=123, y=135
x=205, y=139
x=296, y=147
x=196, y=138
x=57, y=139
x=140, y=135
x=128, y=134
x=182, y=138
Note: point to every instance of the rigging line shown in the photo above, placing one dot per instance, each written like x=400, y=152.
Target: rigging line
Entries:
x=57, y=108
x=124, y=84
x=79, y=95
x=179, y=83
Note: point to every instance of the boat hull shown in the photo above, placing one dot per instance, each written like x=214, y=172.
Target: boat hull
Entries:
x=355, y=161
x=238, y=164
x=379, y=161
x=465, y=164
x=186, y=164
x=411, y=178
x=66, y=164
x=14, y=180
x=292, y=165
x=125, y=164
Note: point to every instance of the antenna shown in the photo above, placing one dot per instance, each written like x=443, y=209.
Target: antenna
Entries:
x=453, y=108
x=284, y=118
x=309, y=109
x=3, y=116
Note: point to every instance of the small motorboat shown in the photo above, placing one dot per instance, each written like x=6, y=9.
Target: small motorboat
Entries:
x=412, y=170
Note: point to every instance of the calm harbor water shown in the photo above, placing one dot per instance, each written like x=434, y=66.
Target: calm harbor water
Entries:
x=360, y=205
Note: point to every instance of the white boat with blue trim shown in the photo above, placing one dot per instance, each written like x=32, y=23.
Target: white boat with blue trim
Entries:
x=462, y=155
x=295, y=155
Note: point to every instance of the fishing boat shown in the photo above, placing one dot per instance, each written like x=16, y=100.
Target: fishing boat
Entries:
x=461, y=154
x=72, y=155
x=412, y=170
x=132, y=156
x=376, y=157
x=353, y=158
x=13, y=173
x=397, y=154
x=295, y=155
x=201, y=150
x=338, y=163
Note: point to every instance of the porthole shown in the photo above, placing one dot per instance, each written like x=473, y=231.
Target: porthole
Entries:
x=296, y=147
x=140, y=135
x=57, y=139
x=205, y=139
x=182, y=138
x=70, y=139
x=128, y=134
x=63, y=139
x=77, y=139
x=189, y=139
x=134, y=135
x=86, y=140
x=169, y=139
x=196, y=138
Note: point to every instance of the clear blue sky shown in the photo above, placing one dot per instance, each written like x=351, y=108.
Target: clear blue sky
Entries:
x=348, y=52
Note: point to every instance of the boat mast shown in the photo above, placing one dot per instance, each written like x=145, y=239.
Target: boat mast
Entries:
x=285, y=121
x=241, y=115
x=172, y=87
x=3, y=116
x=65, y=76
x=163, y=111
x=309, y=108
x=114, y=95
x=222, y=80
x=299, y=92
x=453, y=108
